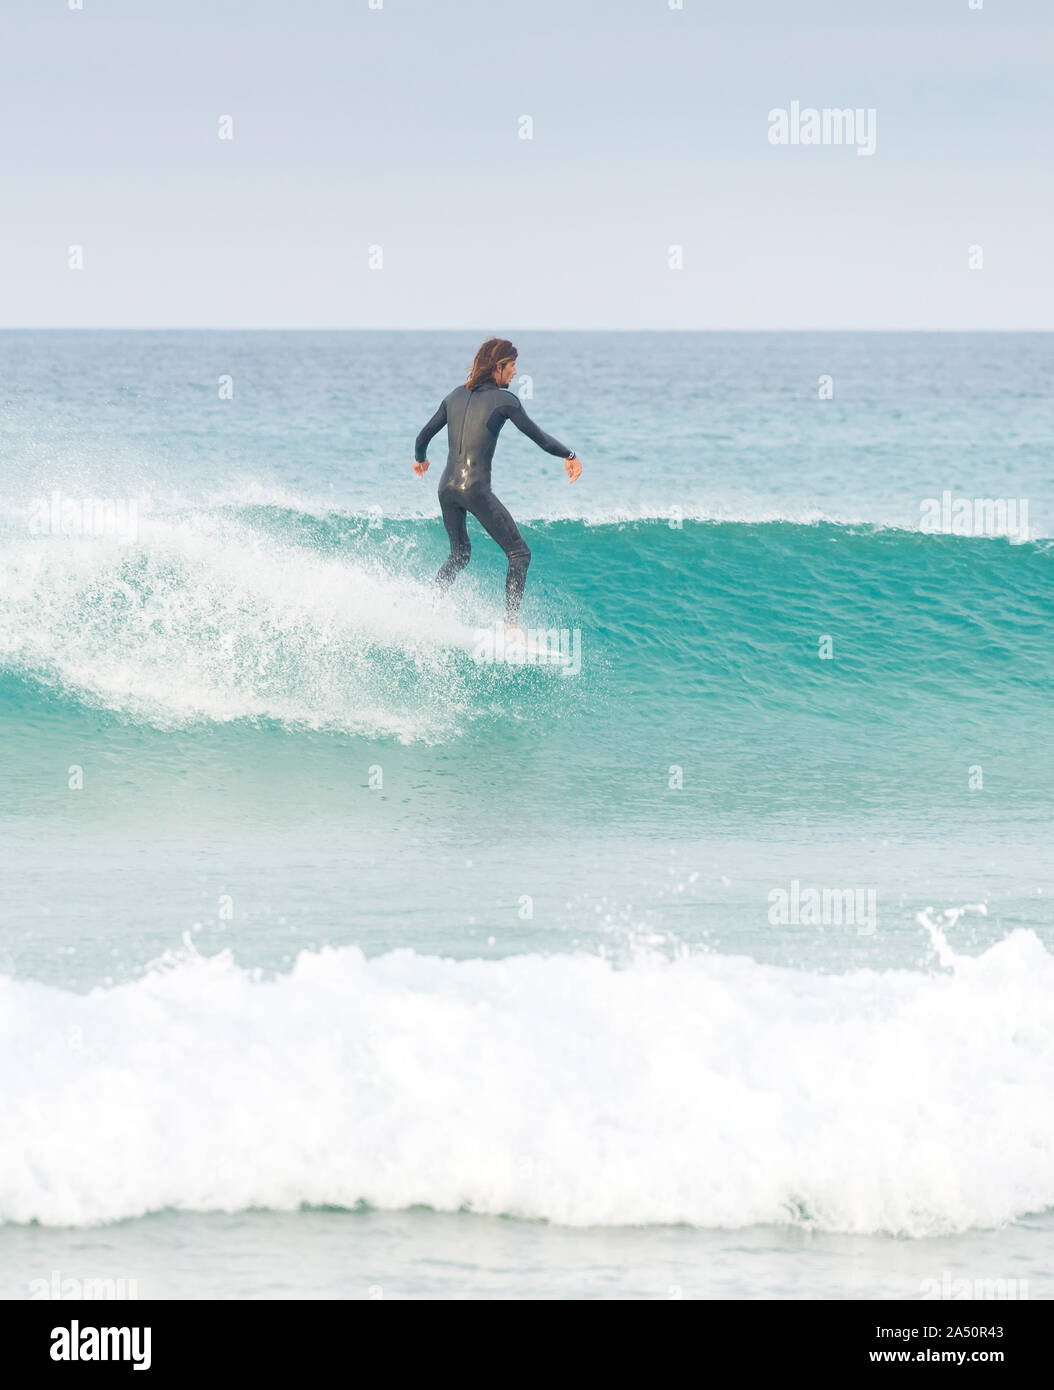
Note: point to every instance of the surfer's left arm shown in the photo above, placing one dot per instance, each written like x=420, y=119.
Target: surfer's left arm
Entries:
x=426, y=436
x=526, y=425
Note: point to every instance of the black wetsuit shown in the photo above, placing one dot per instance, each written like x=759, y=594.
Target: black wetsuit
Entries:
x=473, y=420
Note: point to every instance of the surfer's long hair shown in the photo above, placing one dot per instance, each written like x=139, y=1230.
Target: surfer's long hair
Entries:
x=495, y=352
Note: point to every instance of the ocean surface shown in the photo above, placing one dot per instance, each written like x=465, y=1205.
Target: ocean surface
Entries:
x=336, y=960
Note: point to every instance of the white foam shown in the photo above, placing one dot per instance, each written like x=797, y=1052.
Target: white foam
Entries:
x=709, y=1090
x=204, y=618
x=250, y=493
x=702, y=512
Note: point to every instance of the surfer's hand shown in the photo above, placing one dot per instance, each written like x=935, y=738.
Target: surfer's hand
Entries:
x=574, y=469
x=420, y=468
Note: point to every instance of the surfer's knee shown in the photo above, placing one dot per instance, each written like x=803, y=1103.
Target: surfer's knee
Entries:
x=520, y=556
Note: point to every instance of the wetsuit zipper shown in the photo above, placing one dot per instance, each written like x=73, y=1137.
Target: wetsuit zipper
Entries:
x=464, y=421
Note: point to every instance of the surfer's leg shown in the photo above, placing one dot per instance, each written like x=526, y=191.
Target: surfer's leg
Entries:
x=497, y=521
x=460, y=547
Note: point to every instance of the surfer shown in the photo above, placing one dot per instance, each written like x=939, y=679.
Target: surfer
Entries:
x=473, y=415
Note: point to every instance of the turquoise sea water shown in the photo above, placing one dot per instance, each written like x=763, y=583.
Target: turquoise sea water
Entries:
x=327, y=944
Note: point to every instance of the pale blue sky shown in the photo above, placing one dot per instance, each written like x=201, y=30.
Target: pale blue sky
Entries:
x=399, y=127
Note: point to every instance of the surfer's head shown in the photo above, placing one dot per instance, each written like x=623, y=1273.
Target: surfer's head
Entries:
x=495, y=361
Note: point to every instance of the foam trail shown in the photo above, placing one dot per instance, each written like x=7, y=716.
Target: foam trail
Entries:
x=202, y=618
x=709, y=1090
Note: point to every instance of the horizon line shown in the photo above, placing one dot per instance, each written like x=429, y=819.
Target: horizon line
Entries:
x=309, y=328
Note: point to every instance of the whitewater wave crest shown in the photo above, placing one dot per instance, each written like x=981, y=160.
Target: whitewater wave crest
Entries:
x=709, y=1090
x=205, y=618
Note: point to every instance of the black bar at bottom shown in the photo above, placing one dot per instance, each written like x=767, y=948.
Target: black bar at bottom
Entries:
x=191, y=1339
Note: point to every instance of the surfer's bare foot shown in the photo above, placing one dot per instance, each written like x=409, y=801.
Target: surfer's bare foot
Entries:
x=514, y=630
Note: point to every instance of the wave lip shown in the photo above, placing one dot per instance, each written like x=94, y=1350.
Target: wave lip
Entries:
x=707, y=1090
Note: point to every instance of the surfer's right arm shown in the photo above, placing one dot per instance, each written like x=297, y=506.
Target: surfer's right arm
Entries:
x=426, y=436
